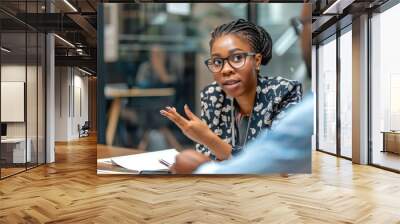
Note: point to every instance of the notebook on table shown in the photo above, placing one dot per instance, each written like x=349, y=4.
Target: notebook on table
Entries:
x=148, y=163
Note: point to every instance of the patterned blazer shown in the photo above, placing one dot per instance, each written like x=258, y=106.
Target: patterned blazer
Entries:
x=274, y=95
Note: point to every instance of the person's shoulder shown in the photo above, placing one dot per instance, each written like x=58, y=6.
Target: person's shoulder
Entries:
x=278, y=80
x=279, y=86
x=212, y=89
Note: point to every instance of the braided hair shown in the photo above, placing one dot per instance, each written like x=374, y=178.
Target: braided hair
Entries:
x=259, y=39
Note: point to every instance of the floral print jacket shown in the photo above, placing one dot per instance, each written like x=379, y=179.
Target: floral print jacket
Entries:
x=274, y=96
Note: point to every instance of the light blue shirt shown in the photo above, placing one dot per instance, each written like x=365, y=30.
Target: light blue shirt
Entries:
x=285, y=149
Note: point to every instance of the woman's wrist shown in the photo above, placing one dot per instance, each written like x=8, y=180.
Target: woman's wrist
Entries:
x=221, y=149
x=208, y=138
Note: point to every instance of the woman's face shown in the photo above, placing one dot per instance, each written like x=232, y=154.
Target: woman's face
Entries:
x=235, y=81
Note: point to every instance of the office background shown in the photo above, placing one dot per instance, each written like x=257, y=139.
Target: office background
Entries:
x=22, y=87
x=48, y=84
x=338, y=190
x=335, y=71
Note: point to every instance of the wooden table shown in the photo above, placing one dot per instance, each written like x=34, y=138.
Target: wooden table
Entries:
x=115, y=108
x=15, y=149
x=104, y=152
x=391, y=141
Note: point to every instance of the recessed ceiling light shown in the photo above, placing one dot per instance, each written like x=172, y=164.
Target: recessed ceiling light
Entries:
x=337, y=7
x=84, y=71
x=5, y=50
x=65, y=41
x=70, y=5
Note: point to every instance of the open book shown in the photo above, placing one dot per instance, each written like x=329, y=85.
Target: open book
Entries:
x=150, y=162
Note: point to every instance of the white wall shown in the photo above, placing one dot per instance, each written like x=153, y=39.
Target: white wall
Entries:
x=80, y=100
x=33, y=126
x=71, y=93
x=15, y=73
x=61, y=103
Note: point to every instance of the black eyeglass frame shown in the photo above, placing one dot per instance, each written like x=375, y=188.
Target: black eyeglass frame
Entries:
x=246, y=54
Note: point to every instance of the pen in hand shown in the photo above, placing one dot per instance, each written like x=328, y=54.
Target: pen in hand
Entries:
x=167, y=164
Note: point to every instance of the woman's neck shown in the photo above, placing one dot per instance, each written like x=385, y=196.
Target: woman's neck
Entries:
x=246, y=102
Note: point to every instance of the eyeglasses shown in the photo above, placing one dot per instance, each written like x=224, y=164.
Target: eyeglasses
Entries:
x=236, y=61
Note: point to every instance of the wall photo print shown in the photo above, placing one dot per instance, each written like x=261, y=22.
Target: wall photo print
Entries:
x=204, y=88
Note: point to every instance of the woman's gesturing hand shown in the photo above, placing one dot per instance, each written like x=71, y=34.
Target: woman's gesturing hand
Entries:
x=197, y=130
x=192, y=126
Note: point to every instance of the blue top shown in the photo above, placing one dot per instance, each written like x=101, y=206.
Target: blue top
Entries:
x=286, y=149
x=274, y=95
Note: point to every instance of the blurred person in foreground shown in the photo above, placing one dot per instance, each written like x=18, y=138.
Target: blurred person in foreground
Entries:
x=286, y=149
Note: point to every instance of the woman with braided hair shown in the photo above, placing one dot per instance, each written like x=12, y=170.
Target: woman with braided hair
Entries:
x=241, y=102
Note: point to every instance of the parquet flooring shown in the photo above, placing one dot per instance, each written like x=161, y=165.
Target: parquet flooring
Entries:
x=69, y=191
x=10, y=171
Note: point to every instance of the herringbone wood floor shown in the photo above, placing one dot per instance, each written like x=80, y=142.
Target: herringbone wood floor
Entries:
x=70, y=192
